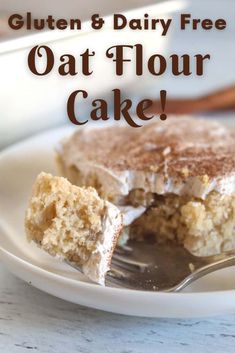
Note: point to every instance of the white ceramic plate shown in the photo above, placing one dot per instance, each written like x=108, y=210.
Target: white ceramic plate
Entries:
x=19, y=165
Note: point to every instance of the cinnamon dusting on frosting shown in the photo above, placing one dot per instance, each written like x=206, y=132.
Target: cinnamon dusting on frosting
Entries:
x=199, y=146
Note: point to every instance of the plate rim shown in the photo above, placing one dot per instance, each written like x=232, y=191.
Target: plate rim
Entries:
x=106, y=288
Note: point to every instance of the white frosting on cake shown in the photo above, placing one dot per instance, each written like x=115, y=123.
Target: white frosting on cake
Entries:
x=131, y=213
x=155, y=157
x=122, y=182
x=99, y=262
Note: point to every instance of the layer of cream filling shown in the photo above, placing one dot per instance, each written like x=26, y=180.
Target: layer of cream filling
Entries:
x=99, y=261
x=121, y=183
x=131, y=213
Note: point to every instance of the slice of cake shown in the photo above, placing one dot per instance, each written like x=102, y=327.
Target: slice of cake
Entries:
x=176, y=178
x=73, y=224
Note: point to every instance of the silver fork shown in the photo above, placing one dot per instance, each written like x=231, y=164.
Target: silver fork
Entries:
x=153, y=267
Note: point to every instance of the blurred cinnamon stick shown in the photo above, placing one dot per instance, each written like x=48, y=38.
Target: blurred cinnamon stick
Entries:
x=223, y=99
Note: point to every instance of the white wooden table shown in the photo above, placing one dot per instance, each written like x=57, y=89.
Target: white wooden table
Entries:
x=31, y=320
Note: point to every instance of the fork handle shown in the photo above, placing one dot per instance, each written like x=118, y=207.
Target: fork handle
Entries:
x=223, y=261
